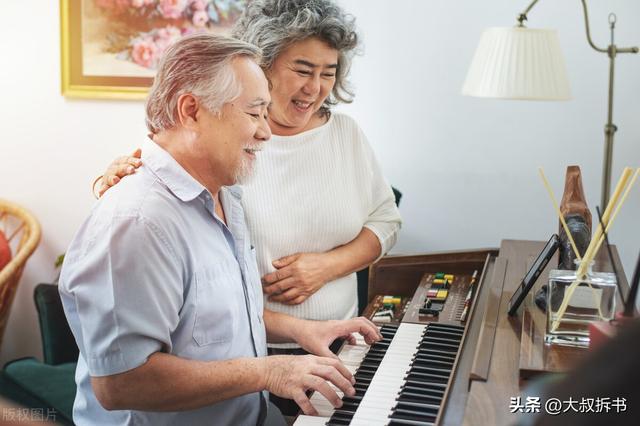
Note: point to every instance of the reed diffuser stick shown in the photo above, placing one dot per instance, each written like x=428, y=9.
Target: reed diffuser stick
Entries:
x=590, y=253
x=615, y=213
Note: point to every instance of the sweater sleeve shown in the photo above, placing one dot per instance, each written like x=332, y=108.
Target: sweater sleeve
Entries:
x=384, y=217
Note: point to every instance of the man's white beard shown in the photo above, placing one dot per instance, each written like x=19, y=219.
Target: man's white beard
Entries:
x=246, y=171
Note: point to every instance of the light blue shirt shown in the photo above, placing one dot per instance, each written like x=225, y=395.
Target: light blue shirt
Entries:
x=153, y=269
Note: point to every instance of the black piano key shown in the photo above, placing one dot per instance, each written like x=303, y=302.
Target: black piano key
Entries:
x=367, y=375
x=427, y=369
x=424, y=395
x=439, y=341
x=372, y=362
x=418, y=398
x=443, y=340
x=344, y=411
x=352, y=399
x=429, y=350
x=391, y=326
x=422, y=407
x=432, y=363
x=339, y=414
x=362, y=380
x=442, y=333
x=446, y=327
x=349, y=409
x=417, y=418
x=338, y=421
x=432, y=356
x=359, y=393
x=418, y=412
x=362, y=388
x=422, y=382
x=426, y=356
x=443, y=328
x=422, y=390
x=439, y=346
x=369, y=363
x=431, y=378
x=368, y=368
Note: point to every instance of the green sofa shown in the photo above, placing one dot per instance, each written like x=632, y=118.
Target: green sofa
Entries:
x=48, y=386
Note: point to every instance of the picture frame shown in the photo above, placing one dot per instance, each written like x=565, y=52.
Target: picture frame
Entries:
x=109, y=48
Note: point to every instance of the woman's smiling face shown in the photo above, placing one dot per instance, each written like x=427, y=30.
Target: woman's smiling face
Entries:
x=301, y=77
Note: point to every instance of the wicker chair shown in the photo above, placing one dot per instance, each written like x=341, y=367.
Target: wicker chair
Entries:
x=23, y=232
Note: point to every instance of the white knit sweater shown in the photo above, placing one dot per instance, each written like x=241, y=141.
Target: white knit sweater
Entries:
x=313, y=192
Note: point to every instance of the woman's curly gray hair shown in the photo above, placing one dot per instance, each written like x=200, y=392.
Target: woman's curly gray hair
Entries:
x=273, y=25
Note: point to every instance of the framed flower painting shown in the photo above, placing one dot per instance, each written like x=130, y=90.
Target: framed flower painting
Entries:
x=111, y=48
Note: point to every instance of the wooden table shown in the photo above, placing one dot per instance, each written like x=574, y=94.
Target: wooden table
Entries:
x=494, y=373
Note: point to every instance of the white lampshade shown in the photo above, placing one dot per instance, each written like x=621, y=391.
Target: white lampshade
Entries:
x=518, y=63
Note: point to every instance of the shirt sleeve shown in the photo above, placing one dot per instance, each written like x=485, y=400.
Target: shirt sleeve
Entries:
x=124, y=288
x=384, y=217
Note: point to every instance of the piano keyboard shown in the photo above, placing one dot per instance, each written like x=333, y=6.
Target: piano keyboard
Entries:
x=401, y=380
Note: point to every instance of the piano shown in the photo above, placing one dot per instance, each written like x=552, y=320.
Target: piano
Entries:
x=447, y=358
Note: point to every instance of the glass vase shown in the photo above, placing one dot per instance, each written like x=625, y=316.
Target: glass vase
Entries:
x=592, y=299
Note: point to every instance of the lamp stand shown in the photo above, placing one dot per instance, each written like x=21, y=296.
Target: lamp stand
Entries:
x=609, y=129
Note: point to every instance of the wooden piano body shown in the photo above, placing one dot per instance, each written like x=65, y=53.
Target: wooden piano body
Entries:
x=498, y=353
x=401, y=275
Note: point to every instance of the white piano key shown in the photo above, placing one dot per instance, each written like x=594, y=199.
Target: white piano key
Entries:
x=310, y=421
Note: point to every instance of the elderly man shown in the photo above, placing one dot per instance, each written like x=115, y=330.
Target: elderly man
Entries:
x=160, y=284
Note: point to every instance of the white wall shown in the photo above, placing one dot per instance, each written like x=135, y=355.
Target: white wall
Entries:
x=466, y=166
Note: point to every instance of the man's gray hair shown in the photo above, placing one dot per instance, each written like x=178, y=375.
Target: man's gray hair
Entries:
x=198, y=64
x=273, y=25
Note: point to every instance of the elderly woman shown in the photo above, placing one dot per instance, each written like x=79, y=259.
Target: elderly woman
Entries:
x=318, y=207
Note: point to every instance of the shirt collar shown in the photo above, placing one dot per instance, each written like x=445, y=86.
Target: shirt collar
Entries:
x=235, y=190
x=177, y=179
x=170, y=172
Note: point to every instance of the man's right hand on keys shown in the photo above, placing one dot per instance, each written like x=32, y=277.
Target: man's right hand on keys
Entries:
x=291, y=376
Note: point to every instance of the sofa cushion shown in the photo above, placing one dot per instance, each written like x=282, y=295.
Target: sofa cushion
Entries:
x=52, y=384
